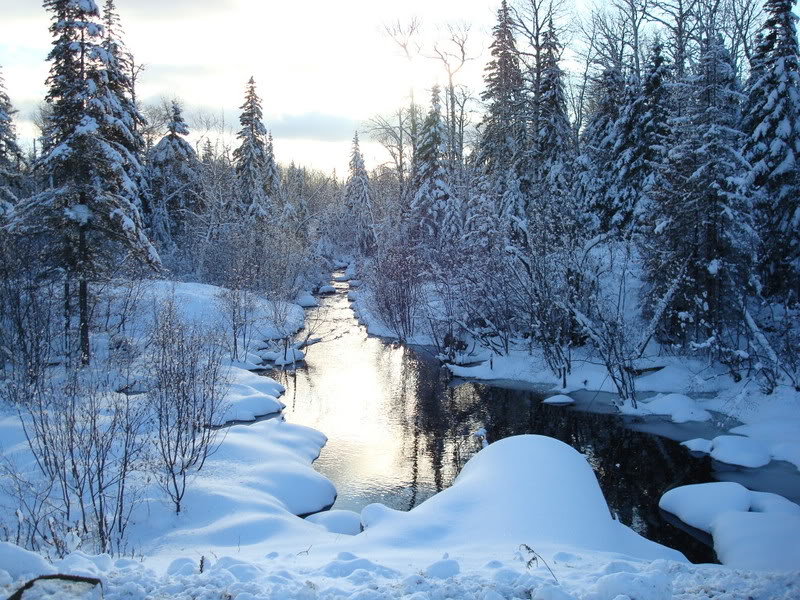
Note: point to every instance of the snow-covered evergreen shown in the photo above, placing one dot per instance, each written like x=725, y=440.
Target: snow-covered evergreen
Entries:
x=358, y=199
x=10, y=153
x=503, y=94
x=173, y=174
x=432, y=187
x=251, y=158
x=643, y=138
x=773, y=126
x=704, y=226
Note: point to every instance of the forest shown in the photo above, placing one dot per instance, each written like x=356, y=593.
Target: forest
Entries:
x=623, y=188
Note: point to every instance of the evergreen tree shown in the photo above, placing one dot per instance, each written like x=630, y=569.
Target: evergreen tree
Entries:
x=251, y=158
x=86, y=213
x=643, y=138
x=703, y=223
x=552, y=140
x=358, y=199
x=432, y=189
x=272, y=175
x=595, y=164
x=173, y=174
x=125, y=123
x=773, y=145
x=504, y=94
x=10, y=153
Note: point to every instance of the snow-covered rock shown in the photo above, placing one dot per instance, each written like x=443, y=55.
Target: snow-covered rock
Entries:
x=679, y=407
x=326, y=290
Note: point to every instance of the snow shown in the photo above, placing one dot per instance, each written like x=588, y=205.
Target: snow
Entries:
x=780, y=434
x=306, y=300
x=738, y=450
x=679, y=407
x=757, y=541
x=698, y=445
x=289, y=356
x=539, y=491
x=558, y=399
x=326, y=289
x=346, y=522
x=751, y=530
x=443, y=569
x=19, y=563
x=251, y=396
x=699, y=504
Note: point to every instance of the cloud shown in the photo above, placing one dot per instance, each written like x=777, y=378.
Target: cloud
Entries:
x=313, y=126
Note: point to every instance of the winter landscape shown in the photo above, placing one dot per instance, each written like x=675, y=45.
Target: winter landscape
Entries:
x=539, y=339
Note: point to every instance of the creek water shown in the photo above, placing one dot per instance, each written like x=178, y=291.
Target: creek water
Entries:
x=399, y=430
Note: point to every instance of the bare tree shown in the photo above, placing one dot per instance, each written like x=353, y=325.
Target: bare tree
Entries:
x=453, y=53
x=186, y=397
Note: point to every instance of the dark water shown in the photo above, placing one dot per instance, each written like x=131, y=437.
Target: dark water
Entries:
x=399, y=431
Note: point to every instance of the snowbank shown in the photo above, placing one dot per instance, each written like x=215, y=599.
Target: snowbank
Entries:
x=527, y=489
x=251, y=396
x=751, y=530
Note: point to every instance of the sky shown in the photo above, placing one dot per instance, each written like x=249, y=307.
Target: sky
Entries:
x=322, y=68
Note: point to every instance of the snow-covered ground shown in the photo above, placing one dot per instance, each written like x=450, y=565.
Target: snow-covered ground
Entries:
x=524, y=519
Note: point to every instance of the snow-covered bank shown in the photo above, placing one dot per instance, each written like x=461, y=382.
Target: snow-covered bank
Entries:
x=751, y=530
x=463, y=543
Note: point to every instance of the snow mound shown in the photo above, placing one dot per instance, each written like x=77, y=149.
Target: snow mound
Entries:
x=306, y=300
x=527, y=489
x=680, y=408
x=251, y=396
x=738, y=450
x=698, y=445
x=751, y=530
x=22, y=563
x=559, y=399
x=326, y=289
x=354, y=283
x=699, y=504
x=759, y=541
x=289, y=357
x=443, y=569
x=346, y=522
x=781, y=436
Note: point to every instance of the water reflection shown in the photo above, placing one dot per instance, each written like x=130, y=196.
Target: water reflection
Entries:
x=399, y=431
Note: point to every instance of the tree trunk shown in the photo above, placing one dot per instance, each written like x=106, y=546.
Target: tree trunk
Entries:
x=83, y=300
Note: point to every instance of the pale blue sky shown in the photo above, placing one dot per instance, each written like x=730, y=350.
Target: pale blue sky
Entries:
x=321, y=67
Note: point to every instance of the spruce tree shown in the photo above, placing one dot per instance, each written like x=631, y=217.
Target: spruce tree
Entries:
x=595, y=163
x=432, y=188
x=250, y=157
x=173, y=174
x=643, y=137
x=703, y=225
x=504, y=94
x=10, y=153
x=272, y=174
x=125, y=123
x=87, y=213
x=772, y=124
x=358, y=199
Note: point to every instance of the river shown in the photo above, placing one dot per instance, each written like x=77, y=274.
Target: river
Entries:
x=399, y=430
